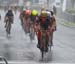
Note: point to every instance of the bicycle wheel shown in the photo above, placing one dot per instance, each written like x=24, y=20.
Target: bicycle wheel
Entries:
x=43, y=49
x=43, y=45
x=8, y=28
x=50, y=42
x=50, y=46
x=25, y=28
x=42, y=52
x=32, y=34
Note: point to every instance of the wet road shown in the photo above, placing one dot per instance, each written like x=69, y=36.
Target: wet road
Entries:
x=19, y=47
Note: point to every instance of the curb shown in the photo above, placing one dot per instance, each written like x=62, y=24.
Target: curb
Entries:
x=66, y=23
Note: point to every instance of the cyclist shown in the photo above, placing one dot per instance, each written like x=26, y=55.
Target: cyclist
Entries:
x=27, y=14
x=26, y=20
x=43, y=22
x=52, y=25
x=54, y=9
x=9, y=17
x=34, y=15
x=22, y=14
x=33, y=18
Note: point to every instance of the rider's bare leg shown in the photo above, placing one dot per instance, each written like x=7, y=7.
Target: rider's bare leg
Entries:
x=52, y=38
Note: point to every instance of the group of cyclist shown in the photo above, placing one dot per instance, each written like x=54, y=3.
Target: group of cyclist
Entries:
x=44, y=20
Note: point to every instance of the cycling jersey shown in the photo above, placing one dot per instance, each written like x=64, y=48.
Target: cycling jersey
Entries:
x=33, y=19
x=44, y=22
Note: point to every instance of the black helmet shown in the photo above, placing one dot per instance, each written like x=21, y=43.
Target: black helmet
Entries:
x=52, y=13
x=9, y=10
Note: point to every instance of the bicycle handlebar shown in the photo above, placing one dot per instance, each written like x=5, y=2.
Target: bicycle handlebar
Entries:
x=45, y=30
x=2, y=58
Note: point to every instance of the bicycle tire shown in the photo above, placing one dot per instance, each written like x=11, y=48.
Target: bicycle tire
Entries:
x=8, y=28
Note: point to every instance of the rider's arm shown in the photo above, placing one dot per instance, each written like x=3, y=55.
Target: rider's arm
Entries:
x=38, y=20
x=6, y=17
x=53, y=24
x=54, y=21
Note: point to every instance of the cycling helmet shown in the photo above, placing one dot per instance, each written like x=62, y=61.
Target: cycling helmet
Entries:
x=43, y=13
x=48, y=13
x=28, y=12
x=9, y=10
x=34, y=12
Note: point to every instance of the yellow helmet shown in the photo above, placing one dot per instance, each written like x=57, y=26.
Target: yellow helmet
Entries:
x=43, y=13
x=34, y=12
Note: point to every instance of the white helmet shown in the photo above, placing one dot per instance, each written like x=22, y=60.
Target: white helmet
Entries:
x=48, y=13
